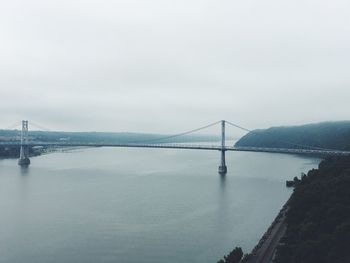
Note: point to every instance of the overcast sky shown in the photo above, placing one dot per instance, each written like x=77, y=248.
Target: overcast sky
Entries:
x=168, y=66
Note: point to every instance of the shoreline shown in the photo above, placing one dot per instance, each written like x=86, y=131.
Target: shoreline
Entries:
x=45, y=151
x=265, y=250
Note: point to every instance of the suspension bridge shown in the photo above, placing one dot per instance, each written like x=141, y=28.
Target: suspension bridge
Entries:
x=24, y=143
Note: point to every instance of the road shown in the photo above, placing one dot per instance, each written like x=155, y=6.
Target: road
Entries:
x=265, y=250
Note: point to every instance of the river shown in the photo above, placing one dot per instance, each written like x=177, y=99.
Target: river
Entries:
x=140, y=205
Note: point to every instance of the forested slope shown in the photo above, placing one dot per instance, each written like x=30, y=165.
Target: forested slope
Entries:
x=318, y=219
x=330, y=135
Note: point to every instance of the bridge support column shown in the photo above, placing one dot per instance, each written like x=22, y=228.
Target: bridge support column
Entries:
x=222, y=167
x=24, y=151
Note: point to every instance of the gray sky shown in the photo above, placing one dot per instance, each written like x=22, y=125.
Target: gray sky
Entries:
x=168, y=66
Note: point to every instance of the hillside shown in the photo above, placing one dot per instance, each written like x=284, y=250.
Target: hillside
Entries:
x=330, y=135
x=318, y=219
x=100, y=137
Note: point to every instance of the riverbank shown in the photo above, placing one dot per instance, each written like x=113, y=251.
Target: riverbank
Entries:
x=314, y=224
x=264, y=251
x=318, y=219
x=14, y=151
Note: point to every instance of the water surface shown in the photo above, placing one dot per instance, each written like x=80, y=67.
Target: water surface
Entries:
x=139, y=205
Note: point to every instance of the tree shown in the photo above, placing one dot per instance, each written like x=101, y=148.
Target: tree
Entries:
x=235, y=256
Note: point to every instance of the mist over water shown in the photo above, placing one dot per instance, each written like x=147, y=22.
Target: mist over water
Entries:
x=140, y=205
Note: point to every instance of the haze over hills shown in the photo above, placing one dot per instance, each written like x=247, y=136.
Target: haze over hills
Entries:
x=329, y=135
x=102, y=137
x=91, y=137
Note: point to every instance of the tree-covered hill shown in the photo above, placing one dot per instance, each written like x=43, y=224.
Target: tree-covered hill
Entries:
x=330, y=135
x=101, y=137
x=318, y=219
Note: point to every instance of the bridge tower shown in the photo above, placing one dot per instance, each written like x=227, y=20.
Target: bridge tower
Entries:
x=223, y=167
x=24, y=152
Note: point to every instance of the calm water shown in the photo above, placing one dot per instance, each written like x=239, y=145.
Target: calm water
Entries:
x=139, y=205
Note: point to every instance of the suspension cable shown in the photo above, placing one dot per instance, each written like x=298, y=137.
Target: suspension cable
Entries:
x=179, y=134
x=281, y=141
x=189, y=132
x=12, y=126
x=39, y=126
x=238, y=126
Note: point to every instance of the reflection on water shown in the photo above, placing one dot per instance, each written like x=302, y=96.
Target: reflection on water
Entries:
x=222, y=181
x=139, y=205
x=24, y=169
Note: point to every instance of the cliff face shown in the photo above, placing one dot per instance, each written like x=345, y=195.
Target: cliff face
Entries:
x=331, y=135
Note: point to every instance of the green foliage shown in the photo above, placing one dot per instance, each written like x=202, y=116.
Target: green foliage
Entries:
x=13, y=152
x=332, y=135
x=9, y=152
x=234, y=257
x=318, y=219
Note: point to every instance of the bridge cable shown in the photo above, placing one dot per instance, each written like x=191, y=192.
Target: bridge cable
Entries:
x=40, y=126
x=239, y=127
x=282, y=141
x=179, y=134
x=12, y=126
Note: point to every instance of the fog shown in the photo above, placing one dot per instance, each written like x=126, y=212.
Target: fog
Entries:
x=168, y=66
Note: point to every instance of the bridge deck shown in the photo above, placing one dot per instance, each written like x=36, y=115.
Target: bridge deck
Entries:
x=187, y=146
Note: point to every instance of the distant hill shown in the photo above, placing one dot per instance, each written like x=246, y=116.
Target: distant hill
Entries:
x=330, y=135
x=101, y=137
x=90, y=137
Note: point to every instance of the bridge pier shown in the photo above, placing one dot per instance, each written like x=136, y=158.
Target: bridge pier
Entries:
x=223, y=167
x=24, y=151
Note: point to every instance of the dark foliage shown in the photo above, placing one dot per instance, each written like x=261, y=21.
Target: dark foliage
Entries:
x=234, y=256
x=318, y=219
x=332, y=135
x=9, y=152
x=13, y=152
